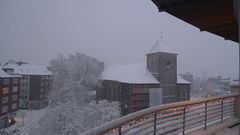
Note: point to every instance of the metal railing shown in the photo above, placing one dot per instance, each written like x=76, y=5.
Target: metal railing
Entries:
x=175, y=118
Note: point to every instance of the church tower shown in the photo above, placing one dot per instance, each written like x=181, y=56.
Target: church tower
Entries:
x=162, y=63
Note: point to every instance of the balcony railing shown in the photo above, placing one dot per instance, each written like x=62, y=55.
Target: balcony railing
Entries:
x=175, y=118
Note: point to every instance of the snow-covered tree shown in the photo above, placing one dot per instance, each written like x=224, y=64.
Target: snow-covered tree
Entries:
x=73, y=119
x=71, y=110
x=78, y=73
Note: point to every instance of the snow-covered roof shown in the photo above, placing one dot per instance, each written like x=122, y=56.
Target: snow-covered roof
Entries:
x=160, y=46
x=28, y=69
x=130, y=73
x=3, y=74
x=180, y=80
x=234, y=83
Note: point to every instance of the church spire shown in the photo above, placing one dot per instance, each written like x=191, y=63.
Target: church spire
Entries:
x=160, y=46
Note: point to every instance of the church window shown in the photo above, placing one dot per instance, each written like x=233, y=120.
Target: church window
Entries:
x=168, y=64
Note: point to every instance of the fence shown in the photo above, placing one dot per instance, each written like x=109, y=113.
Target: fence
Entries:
x=175, y=118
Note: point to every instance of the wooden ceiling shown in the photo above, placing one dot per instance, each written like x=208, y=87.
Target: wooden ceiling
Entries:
x=215, y=16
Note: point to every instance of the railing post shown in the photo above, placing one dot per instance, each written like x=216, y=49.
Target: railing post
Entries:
x=234, y=106
x=235, y=88
x=222, y=110
x=155, y=123
x=120, y=130
x=184, y=117
x=205, y=119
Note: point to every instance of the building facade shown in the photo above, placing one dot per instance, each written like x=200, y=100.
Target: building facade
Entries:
x=132, y=97
x=35, y=84
x=162, y=63
x=129, y=85
x=9, y=97
x=139, y=86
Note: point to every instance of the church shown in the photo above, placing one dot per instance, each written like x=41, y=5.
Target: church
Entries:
x=143, y=85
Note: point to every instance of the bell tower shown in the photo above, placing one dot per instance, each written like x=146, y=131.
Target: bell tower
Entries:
x=162, y=63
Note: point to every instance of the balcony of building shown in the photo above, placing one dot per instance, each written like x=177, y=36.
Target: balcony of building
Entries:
x=213, y=115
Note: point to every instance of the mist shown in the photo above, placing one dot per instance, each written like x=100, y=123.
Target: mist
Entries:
x=113, y=31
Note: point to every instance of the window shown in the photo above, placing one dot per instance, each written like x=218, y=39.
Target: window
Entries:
x=46, y=83
x=183, y=93
x=22, y=84
x=15, y=80
x=4, y=100
x=21, y=91
x=4, y=109
x=14, y=98
x=168, y=64
x=41, y=90
x=26, y=91
x=14, y=89
x=22, y=97
x=5, y=90
x=14, y=106
x=26, y=84
x=42, y=83
x=6, y=81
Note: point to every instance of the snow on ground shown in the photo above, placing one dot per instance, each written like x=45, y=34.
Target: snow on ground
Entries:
x=25, y=120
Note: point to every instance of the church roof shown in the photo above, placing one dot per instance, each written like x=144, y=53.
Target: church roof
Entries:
x=180, y=80
x=160, y=46
x=130, y=73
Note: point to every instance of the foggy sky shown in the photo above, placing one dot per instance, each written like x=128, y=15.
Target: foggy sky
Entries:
x=114, y=31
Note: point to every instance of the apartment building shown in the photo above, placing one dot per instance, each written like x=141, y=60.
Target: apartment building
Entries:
x=35, y=84
x=9, y=98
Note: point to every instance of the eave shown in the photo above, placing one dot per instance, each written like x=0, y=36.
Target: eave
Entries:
x=214, y=16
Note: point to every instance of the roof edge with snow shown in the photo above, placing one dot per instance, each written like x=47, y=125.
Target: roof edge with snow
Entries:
x=180, y=80
x=161, y=47
x=130, y=73
x=28, y=69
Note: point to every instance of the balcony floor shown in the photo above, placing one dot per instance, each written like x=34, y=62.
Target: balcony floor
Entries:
x=220, y=128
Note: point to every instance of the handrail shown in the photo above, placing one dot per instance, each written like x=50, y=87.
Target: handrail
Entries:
x=143, y=114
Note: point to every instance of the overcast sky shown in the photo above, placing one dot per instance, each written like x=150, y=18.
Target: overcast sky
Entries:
x=114, y=31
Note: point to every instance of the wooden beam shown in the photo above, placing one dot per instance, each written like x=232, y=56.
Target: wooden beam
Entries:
x=207, y=15
x=216, y=26
x=215, y=16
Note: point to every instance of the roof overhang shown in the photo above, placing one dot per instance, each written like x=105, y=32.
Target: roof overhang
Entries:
x=215, y=16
